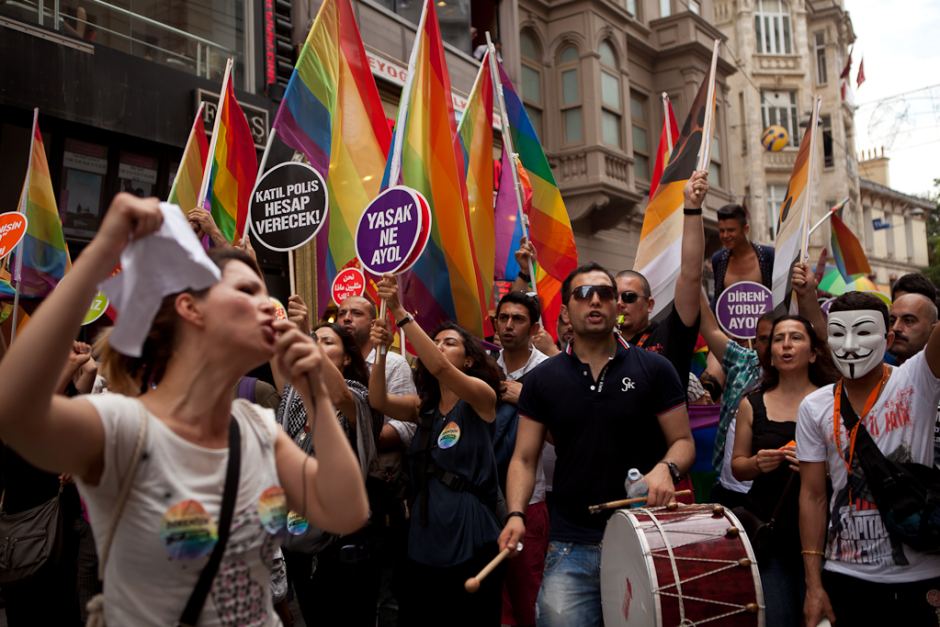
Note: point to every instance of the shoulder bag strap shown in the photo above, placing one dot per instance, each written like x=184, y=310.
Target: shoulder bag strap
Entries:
x=125, y=488
x=197, y=599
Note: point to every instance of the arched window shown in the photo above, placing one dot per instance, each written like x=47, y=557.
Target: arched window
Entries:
x=611, y=99
x=532, y=78
x=571, y=115
x=639, y=122
x=772, y=27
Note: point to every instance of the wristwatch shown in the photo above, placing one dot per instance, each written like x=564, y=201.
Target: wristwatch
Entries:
x=673, y=471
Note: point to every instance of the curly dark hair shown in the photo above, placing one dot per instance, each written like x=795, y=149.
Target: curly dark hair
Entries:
x=821, y=372
x=356, y=369
x=482, y=366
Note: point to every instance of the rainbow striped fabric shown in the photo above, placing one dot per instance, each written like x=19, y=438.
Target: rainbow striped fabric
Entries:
x=445, y=282
x=659, y=254
x=185, y=189
x=549, y=224
x=794, y=214
x=45, y=256
x=847, y=251
x=234, y=166
x=476, y=141
x=508, y=226
x=332, y=113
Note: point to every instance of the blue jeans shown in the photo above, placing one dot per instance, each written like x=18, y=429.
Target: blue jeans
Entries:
x=784, y=591
x=570, y=595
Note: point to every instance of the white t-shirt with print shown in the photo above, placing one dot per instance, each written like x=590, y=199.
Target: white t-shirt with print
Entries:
x=169, y=524
x=901, y=423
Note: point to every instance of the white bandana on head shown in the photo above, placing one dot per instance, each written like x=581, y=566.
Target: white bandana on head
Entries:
x=858, y=339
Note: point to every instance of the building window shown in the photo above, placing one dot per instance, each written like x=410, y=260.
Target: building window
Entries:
x=779, y=107
x=822, y=75
x=714, y=164
x=695, y=7
x=909, y=237
x=776, y=194
x=828, y=158
x=665, y=8
x=742, y=123
x=453, y=15
x=571, y=114
x=641, y=145
x=631, y=7
x=611, y=108
x=531, y=52
x=772, y=27
x=84, y=167
x=869, y=228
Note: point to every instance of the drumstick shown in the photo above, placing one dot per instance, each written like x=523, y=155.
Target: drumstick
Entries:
x=473, y=584
x=621, y=503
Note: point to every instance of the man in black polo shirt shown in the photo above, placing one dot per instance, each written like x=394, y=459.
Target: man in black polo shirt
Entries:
x=675, y=335
x=609, y=408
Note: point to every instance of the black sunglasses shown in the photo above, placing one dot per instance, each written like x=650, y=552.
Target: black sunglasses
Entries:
x=587, y=292
x=628, y=298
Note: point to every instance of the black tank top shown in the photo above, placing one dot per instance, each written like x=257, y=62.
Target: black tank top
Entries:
x=768, y=488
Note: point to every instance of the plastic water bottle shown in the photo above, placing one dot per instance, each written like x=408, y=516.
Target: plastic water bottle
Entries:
x=636, y=486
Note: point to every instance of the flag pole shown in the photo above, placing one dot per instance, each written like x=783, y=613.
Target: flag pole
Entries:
x=394, y=170
x=666, y=123
x=264, y=155
x=704, y=151
x=207, y=173
x=828, y=215
x=810, y=182
x=18, y=268
x=510, y=149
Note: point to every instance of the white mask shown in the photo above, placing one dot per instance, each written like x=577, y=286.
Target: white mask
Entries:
x=858, y=340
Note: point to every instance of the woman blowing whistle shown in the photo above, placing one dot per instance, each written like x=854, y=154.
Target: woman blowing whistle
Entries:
x=198, y=346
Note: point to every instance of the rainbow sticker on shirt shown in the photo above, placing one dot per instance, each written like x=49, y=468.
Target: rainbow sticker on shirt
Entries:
x=272, y=510
x=449, y=436
x=187, y=531
x=297, y=525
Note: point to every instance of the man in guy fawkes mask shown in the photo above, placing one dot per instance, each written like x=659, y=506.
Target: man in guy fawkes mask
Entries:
x=897, y=407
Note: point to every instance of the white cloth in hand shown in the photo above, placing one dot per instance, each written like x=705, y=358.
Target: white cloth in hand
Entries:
x=167, y=262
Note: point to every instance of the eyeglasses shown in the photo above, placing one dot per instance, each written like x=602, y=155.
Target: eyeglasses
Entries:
x=587, y=292
x=628, y=298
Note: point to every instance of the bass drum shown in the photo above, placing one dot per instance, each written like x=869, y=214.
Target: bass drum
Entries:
x=679, y=566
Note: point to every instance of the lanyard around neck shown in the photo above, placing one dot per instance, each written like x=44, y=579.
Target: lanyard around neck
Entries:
x=837, y=415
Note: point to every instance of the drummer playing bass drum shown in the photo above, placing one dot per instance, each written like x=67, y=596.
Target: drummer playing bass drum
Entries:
x=610, y=407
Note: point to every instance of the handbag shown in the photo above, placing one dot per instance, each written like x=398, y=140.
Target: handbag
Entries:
x=762, y=534
x=28, y=538
x=907, y=494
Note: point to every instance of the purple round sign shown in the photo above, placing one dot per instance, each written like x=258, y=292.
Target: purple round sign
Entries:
x=739, y=307
x=388, y=231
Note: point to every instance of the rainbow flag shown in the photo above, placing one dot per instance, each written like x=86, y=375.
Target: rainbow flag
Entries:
x=233, y=166
x=793, y=221
x=847, y=251
x=549, y=224
x=445, y=282
x=475, y=134
x=6, y=280
x=332, y=113
x=185, y=189
x=45, y=256
x=507, y=224
x=658, y=256
x=667, y=138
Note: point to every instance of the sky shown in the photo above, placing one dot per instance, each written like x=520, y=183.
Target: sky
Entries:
x=899, y=44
